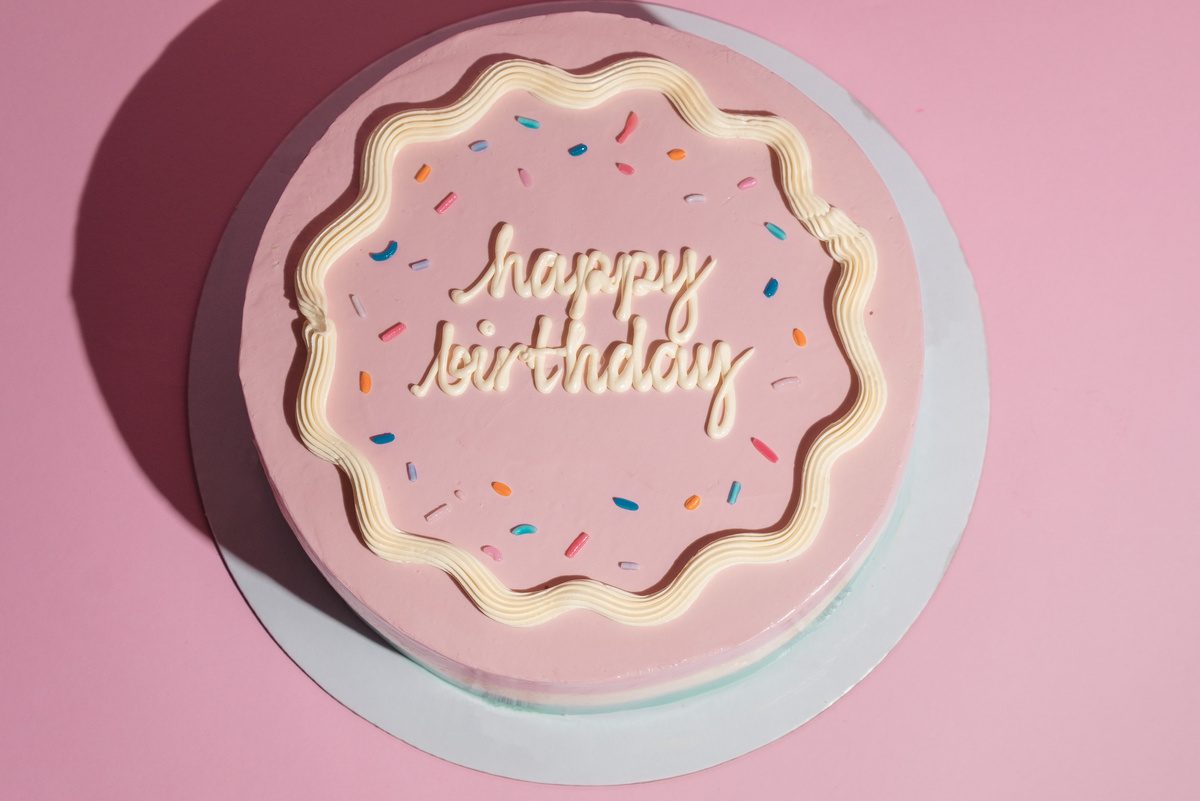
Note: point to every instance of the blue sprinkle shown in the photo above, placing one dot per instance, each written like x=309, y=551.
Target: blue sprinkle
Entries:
x=735, y=489
x=771, y=288
x=578, y=150
x=625, y=503
x=383, y=439
x=776, y=231
x=524, y=528
x=412, y=472
x=482, y=144
x=420, y=265
x=528, y=123
x=386, y=253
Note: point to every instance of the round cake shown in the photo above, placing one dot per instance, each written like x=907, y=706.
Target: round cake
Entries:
x=583, y=357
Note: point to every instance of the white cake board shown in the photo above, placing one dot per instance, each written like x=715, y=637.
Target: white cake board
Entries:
x=320, y=633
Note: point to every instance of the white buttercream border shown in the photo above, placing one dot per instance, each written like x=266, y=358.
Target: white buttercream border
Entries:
x=847, y=243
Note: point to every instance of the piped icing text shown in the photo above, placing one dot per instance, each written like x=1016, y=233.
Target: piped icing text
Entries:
x=630, y=365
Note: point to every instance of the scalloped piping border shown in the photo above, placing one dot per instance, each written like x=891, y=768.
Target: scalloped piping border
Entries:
x=850, y=245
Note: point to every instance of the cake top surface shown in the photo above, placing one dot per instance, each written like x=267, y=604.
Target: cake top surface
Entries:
x=570, y=458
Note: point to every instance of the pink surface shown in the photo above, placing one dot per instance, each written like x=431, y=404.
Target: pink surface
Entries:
x=1057, y=659
x=566, y=456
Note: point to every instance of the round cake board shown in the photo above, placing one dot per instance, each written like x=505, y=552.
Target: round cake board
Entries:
x=354, y=665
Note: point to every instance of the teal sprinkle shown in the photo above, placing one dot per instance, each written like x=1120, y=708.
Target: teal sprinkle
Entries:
x=524, y=528
x=386, y=253
x=772, y=288
x=383, y=439
x=776, y=231
x=625, y=503
x=578, y=150
x=528, y=123
x=735, y=489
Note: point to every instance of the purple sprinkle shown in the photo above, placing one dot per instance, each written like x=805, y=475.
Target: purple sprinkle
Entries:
x=420, y=265
x=412, y=472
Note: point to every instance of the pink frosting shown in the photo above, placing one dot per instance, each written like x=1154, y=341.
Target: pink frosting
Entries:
x=567, y=456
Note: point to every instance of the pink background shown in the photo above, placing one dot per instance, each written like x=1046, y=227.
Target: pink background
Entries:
x=1058, y=657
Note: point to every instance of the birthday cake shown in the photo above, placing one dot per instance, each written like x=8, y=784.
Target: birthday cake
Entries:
x=583, y=357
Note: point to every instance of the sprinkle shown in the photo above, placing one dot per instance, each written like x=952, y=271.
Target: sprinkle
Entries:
x=735, y=489
x=578, y=150
x=630, y=125
x=764, y=450
x=528, y=123
x=436, y=513
x=446, y=203
x=501, y=489
x=492, y=551
x=692, y=503
x=695, y=198
x=771, y=288
x=629, y=565
x=482, y=144
x=579, y=542
x=364, y=382
x=799, y=338
x=386, y=253
x=420, y=265
x=524, y=528
x=678, y=154
x=486, y=327
x=462, y=496
x=358, y=307
x=776, y=231
x=625, y=503
x=423, y=173
x=786, y=383
x=747, y=183
x=383, y=439
x=525, y=177
x=412, y=471
x=393, y=332
x=624, y=168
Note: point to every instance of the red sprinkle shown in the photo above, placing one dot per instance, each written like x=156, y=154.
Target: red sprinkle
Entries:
x=625, y=168
x=393, y=332
x=764, y=450
x=579, y=542
x=630, y=124
x=446, y=203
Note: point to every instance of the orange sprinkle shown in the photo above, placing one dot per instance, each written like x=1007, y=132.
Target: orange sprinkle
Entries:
x=691, y=503
x=799, y=337
x=364, y=382
x=677, y=154
x=423, y=173
x=501, y=489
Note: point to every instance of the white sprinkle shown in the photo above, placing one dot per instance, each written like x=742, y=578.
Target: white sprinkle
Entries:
x=784, y=383
x=358, y=307
x=694, y=198
x=436, y=513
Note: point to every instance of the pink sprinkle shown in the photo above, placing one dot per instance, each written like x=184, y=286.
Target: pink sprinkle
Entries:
x=579, y=542
x=625, y=168
x=436, y=513
x=764, y=450
x=462, y=496
x=630, y=124
x=784, y=383
x=492, y=551
x=393, y=332
x=446, y=203
x=525, y=177
x=747, y=183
